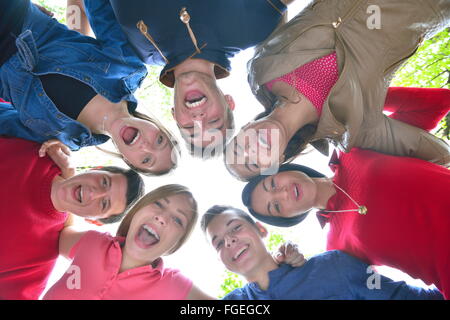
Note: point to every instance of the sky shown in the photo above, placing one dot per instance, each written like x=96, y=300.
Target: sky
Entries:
x=211, y=184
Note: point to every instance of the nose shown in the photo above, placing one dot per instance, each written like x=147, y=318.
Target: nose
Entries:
x=230, y=241
x=146, y=146
x=280, y=193
x=198, y=114
x=161, y=220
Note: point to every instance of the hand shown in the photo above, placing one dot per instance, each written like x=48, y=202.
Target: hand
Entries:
x=288, y=253
x=60, y=154
x=44, y=10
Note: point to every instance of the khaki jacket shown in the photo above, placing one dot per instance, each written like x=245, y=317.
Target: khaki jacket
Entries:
x=367, y=59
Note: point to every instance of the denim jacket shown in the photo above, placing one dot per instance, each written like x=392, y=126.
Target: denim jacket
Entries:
x=107, y=64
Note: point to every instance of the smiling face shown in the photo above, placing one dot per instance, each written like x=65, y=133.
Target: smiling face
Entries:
x=158, y=227
x=259, y=146
x=286, y=194
x=238, y=243
x=143, y=144
x=94, y=194
x=200, y=109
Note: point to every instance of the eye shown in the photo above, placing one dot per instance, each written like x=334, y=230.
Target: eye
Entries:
x=146, y=160
x=272, y=184
x=219, y=245
x=159, y=204
x=236, y=228
x=160, y=139
x=105, y=182
x=277, y=206
x=104, y=204
x=178, y=221
x=214, y=121
x=262, y=139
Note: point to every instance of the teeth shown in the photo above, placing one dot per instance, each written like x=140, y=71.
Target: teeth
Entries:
x=240, y=252
x=135, y=138
x=151, y=231
x=296, y=191
x=196, y=103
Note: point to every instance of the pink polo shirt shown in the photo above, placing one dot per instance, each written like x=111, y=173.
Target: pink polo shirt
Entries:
x=94, y=275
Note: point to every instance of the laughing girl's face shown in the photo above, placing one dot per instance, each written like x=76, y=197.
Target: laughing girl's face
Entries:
x=143, y=144
x=157, y=227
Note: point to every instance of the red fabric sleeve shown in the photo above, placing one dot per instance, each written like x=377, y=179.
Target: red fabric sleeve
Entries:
x=419, y=107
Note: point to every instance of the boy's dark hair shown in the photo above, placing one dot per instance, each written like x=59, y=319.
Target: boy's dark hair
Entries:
x=135, y=190
x=214, y=211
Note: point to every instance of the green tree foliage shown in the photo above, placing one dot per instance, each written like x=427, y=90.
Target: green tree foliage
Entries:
x=429, y=67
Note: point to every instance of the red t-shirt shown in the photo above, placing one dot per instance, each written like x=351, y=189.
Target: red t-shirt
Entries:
x=29, y=232
x=408, y=214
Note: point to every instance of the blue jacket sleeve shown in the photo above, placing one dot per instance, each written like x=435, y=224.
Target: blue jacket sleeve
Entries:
x=109, y=32
x=103, y=22
x=11, y=125
x=366, y=284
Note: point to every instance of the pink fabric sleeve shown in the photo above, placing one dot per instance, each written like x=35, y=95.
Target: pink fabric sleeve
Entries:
x=88, y=239
x=177, y=285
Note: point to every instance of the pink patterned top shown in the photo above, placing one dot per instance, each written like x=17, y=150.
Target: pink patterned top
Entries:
x=314, y=80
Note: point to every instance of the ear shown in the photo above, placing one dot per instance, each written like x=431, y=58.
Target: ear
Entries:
x=230, y=101
x=261, y=229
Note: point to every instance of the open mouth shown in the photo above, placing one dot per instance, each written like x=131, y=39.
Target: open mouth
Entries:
x=78, y=194
x=240, y=253
x=194, y=99
x=146, y=237
x=130, y=135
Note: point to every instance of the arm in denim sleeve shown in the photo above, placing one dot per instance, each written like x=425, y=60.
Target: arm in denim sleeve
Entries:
x=366, y=284
x=104, y=24
x=11, y=125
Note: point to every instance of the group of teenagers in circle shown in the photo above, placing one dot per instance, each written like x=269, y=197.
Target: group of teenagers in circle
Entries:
x=322, y=77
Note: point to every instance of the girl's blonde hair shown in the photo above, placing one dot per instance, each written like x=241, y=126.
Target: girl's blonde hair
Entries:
x=176, y=151
x=155, y=195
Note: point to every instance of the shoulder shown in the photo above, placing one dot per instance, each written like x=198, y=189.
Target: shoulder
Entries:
x=237, y=294
x=93, y=242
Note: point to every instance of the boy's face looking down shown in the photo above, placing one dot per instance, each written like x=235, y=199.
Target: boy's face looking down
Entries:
x=238, y=243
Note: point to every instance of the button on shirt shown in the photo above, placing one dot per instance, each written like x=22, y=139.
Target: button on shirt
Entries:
x=332, y=275
x=94, y=275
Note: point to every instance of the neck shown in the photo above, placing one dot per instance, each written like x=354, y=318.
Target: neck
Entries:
x=99, y=114
x=295, y=115
x=325, y=190
x=197, y=65
x=57, y=181
x=128, y=262
x=260, y=274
